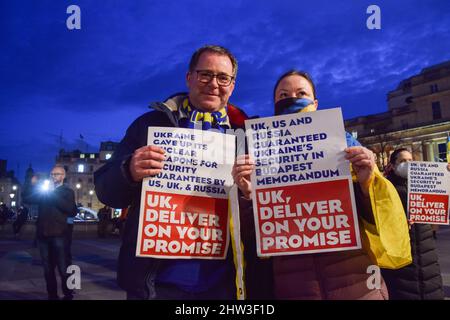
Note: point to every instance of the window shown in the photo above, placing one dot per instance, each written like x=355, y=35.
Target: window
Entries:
x=81, y=168
x=355, y=134
x=404, y=124
x=92, y=156
x=442, y=148
x=407, y=87
x=436, y=107
x=372, y=130
x=108, y=155
x=409, y=100
x=82, y=156
x=434, y=88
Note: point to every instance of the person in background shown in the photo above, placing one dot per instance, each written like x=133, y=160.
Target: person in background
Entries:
x=21, y=219
x=55, y=205
x=104, y=219
x=421, y=280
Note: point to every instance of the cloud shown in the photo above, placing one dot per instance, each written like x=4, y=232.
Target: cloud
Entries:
x=127, y=54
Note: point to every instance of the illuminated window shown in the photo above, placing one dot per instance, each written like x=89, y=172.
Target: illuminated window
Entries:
x=82, y=156
x=81, y=168
x=13, y=203
x=92, y=156
x=108, y=156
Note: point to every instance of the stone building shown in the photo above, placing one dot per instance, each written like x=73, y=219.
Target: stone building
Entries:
x=418, y=118
x=10, y=188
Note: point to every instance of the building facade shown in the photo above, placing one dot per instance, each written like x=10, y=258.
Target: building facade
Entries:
x=418, y=118
x=10, y=188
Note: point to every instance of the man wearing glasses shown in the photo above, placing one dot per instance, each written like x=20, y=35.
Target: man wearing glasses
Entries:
x=56, y=202
x=210, y=80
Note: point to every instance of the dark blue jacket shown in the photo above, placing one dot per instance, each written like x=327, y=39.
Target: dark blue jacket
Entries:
x=53, y=209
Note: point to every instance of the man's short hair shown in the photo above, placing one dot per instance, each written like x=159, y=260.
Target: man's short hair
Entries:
x=59, y=166
x=213, y=49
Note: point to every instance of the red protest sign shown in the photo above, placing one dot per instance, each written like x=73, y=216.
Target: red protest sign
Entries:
x=183, y=226
x=428, y=208
x=307, y=218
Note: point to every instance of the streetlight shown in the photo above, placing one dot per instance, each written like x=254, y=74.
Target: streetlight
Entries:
x=13, y=203
x=14, y=187
x=91, y=192
x=78, y=186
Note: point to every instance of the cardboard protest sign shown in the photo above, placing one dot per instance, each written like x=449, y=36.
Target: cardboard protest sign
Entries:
x=184, y=209
x=428, y=192
x=303, y=200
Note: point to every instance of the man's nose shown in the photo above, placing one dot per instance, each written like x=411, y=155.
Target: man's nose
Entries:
x=213, y=83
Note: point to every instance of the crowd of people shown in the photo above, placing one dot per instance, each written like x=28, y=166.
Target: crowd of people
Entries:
x=409, y=261
x=19, y=217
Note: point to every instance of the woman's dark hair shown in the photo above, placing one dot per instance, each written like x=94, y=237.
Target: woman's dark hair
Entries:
x=294, y=72
x=395, y=154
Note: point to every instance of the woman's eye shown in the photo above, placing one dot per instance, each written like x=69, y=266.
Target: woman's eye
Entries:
x=283, y=95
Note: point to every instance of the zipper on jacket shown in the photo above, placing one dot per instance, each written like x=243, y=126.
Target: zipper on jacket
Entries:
x=318, y=271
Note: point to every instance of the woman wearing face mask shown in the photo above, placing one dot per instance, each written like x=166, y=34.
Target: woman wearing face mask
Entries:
x=332, y=275
x=422, y=279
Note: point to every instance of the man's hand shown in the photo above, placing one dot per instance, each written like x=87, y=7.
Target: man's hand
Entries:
x=363, y=163
x=241, y=172
x=146, y=162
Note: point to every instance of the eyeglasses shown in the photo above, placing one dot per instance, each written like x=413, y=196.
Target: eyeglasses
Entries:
x=223, y=79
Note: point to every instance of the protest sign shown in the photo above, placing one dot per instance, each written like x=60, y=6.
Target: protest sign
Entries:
x=428, y=192
x=184, y=209
x=303, y=200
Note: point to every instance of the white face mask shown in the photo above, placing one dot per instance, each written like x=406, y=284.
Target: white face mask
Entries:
x=402, y=170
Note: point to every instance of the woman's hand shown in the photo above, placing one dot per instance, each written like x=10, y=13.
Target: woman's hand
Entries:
x=363, y=163
x=242, y=170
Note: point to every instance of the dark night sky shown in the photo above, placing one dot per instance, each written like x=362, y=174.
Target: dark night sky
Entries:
x=97, y=80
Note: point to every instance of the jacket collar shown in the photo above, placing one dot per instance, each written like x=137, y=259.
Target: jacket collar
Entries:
x=172, y=108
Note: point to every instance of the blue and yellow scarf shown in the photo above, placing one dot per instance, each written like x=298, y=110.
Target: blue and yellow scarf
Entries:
x=210, y=120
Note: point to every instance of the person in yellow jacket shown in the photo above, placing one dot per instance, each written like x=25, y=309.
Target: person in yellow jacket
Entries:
x=383, y=224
